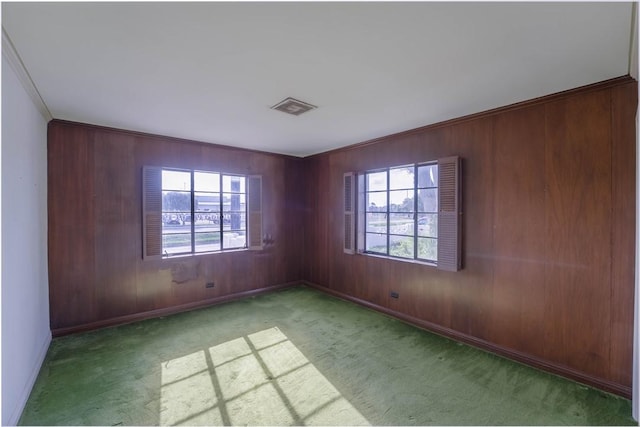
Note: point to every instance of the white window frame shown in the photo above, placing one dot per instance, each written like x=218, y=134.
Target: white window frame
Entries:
x=152, y=213
x=449, y=213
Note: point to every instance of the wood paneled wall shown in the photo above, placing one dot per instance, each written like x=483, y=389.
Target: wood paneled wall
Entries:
x=548, y=233
x=96, y=273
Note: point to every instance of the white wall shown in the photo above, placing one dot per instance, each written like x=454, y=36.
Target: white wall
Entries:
x=25, y=291
x=633, y=71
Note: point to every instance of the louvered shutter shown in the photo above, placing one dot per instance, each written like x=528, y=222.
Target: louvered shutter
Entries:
x=360, y=223
x=349, y=213
x=151, y=212
x=254, y=209
x=449, y=214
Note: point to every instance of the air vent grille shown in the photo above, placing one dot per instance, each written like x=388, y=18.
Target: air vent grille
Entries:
x=293, y=106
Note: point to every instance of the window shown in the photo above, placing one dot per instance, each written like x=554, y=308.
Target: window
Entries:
x=407, y=212
x=401, y=218
x=192, y=212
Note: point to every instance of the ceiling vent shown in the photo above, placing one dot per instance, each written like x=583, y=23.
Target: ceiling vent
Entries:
x=293, y=106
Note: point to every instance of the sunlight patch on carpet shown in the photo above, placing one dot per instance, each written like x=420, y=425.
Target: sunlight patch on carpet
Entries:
x=259, y=379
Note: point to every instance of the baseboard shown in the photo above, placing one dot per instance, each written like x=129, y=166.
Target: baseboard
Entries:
x=515, y=355
x=26, y=391
x=130, y=318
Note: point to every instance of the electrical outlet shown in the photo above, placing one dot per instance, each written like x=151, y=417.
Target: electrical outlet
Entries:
x=394, y=294
x=209, y=285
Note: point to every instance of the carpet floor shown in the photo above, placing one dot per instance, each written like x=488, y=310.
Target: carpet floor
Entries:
x=297, y=357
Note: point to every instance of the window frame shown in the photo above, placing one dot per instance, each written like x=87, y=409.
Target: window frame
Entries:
x=448, y=215
x=388, y=213
x=193, y=212
x=153, y=221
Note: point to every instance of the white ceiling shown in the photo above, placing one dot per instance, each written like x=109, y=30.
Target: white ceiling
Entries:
x=210, y=71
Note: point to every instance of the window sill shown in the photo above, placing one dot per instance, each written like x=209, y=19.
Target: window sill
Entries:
x=406, y=260
x=176, y=256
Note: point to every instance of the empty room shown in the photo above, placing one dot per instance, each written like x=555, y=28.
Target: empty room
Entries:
x=319, y=213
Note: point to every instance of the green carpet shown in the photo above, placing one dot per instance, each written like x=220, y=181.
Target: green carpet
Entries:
x=297, y=357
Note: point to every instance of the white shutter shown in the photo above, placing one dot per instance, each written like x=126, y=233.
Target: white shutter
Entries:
x=151, y=212
x=349, y=213
x=360, y=223
x=449, y=214
x=254, y=211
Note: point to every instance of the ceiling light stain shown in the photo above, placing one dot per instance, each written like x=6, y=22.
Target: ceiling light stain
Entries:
x=293, y=106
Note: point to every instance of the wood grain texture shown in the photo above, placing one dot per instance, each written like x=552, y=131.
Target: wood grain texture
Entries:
x=71, y=215
x=578, y=231
x=95, y=238
x=624, y=101
x=115, y=207
x=519, y=230
x=522, y=357
x=548, y=198
x=548, y=253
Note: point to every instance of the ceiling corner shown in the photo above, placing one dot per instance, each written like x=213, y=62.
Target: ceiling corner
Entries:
x=13, y=58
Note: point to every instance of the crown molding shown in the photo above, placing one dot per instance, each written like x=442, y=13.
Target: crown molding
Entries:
x=633, y=42
x=9, y=52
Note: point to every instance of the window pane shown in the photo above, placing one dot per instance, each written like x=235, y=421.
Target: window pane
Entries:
x=401, y=224
x=176, y=243
x=178, y=222
x=377, y=181
x=428, y=200
x=206, y=181
x=401, y=212
x=235, y=221
x=233, y=184
x=377, y=202
x=376, y=243
x=401, y=246
x=217, y=214
x=176, y=180
x=234, y=239
x=428, y=225
x=206, y=242
x=207, y=202
x=428, y=176
x=176, y=201
x=401, y=201
x=376, y=222
x=401, y=178
x=427, y=248
x=234, y=202
x=205, y=222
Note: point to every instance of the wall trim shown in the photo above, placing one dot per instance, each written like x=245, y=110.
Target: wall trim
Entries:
x=128, y=132
x=633, y=42
x=26, y=391
x=605, y=84
x=130, y=318
x=508, y=353
x=635, y=404
x=12, y=56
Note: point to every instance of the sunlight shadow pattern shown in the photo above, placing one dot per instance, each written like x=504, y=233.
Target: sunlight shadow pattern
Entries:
x=258, y=379
x=187, y=391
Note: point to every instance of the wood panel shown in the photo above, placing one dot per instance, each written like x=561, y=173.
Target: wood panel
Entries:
x=116, y=221
x=316, y=220
x=548, y=198
x=578, y=216
x=294, y=221
x=97, y=273
x=624, y=102
x=472, y=291
x=71, y=215
x=517, y=308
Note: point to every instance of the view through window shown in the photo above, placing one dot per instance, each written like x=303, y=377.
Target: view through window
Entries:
x=401, y=212
x=202, y=212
